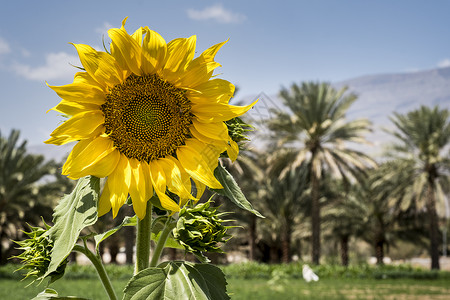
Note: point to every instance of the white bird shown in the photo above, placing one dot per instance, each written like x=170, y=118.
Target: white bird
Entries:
x=308, y=274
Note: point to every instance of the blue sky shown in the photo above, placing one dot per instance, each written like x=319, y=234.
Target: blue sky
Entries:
x=272, y=43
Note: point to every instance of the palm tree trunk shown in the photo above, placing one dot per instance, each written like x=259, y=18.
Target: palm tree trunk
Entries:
x=434, y=234
x=252, y=238
x=129, y=238
x=315, y=218
x=344, y=250
x=274, y=254
x=172, y=253
x=2, y=257
x=379, y=251
x=286, y=246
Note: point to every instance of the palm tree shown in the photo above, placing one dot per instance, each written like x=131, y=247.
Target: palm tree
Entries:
x=422, y=136
x=283, y=205
x=316, y=119
x=22, y=197
x=347, y=216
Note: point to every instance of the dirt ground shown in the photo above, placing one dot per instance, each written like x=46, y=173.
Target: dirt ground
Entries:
x=444, y=262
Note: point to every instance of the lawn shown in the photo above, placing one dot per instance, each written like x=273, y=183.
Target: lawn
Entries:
x=81, y=282
x=262, y=289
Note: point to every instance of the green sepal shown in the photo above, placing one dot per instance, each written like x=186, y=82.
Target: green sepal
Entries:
x=232, y=191
x=73, y=213
x=178, y=280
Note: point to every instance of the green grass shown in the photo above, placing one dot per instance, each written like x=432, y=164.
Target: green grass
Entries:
x=261, y=282
x=261, y=289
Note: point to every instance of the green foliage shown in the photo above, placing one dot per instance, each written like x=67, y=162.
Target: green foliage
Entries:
x=232, y=191
x=157, y=228
x=175, y=280
x=74, y=212
x=23, y=197
x=200, y=229
x=253, y=270
x=422, y=136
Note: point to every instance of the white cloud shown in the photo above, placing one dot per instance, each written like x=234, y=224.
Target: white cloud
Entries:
x=217, y=13
x=4, y=47
x=25, y=52
x=103, y=30
x=444, y=63
x=57, y=66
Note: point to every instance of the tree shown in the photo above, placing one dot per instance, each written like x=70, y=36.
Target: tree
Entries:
x=316, y=119
x=422, y=136
x=23, y=196
x=347, y=216
x=284, y=206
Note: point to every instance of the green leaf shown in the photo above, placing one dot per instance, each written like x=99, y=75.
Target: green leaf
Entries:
x=178, y=280
x=53, y=295
x=157, y=229
x=46, y=294
x=127, y=221
x=73, y=213
x=232, y=191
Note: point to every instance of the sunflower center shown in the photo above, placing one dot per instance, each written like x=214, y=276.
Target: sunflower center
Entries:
x=147, y=117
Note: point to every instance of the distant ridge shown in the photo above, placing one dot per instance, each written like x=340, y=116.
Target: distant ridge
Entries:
x=379, y=96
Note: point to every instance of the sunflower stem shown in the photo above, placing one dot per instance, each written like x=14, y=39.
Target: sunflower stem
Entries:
x=161, y=243
x=143, y=240
x=96, y=261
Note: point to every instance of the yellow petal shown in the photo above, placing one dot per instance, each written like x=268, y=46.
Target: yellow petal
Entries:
x=209, y=151
x=200, y=69
x=81, y=126
x=137, y=188
x=200, y=189
x=210, y=53
x=154, y=51
x=72, y=108
x=159, y=185
x=76, y=150
x=147, y=180
x=179, y=181
x=205, y=139
x=80, y=93
x=179, y=53
x=125, y=50
x=100, y=66
x=103, y=167
x=99, y=158
x=104, y=203
x=119, y=184
x=212, y=91
x=138, y=34
x=218, y=112
x=196, y=166
x=196, y=75
x=214, y=130
x=232, y=150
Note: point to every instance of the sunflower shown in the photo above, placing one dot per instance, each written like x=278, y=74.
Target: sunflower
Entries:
x=147, y=116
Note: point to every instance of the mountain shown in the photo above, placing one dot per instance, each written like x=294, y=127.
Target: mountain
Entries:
x=378, y=97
